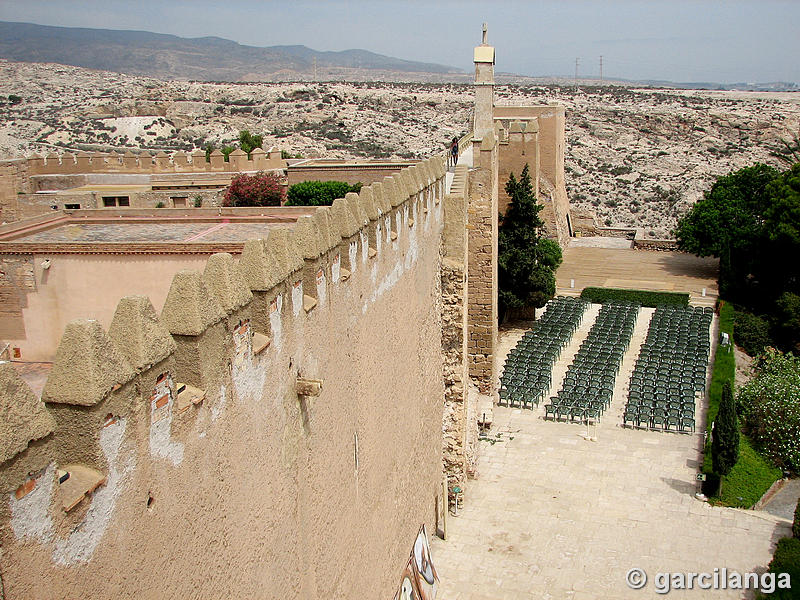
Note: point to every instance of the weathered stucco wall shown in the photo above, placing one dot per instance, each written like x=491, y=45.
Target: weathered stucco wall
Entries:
x=253, y=491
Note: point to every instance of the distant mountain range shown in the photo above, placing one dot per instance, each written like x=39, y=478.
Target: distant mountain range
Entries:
x=216, y=59
x=206, y=59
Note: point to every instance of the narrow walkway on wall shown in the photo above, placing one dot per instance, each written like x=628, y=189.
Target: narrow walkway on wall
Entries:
x=568, y=354
x=464, y=159
x=613, y=416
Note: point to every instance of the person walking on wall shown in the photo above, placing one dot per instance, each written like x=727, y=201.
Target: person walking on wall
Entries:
x=454, y=151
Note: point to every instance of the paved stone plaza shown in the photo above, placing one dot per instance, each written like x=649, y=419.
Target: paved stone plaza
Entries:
x=555, y=515
x=638, y=269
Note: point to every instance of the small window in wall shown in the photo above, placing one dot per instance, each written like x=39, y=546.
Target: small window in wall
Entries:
x=112, y=201
x=178, y=201
x=72, y=206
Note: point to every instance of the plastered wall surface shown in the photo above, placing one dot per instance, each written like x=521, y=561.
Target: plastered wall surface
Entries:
x=253, y=491
x=87, y=286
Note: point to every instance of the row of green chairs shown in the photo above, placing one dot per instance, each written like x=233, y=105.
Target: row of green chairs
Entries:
x=588, y=385
x=670, y=370
x=528, y=368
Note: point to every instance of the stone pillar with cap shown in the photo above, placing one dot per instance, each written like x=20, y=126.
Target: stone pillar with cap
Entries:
x=484, y=88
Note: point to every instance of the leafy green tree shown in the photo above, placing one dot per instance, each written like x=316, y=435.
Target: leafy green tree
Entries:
x=787, y=321
x=782, y=224
x=526, y=261
x=249, y=142
x=728, y=222
x=725, y=434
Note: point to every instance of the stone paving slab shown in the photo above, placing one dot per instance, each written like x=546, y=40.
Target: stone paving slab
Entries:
x=784, y=502
x=552, y=514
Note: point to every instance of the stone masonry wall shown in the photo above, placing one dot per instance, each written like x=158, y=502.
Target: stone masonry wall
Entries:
x=482, y=263
x=456, y=425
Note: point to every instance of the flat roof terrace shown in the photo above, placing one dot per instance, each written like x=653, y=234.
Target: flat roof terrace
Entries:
x=157, y=231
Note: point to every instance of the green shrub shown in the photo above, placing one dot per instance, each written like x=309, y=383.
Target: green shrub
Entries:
x=749, y=479
x=796, y=523
x=643, y=297
x=786, y=560
x=159, y=204
x=752, y=332
x=319, y=193
x=770, y=408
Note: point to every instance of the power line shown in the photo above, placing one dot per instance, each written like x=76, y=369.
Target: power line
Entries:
x=601, y=67
x=576, y=71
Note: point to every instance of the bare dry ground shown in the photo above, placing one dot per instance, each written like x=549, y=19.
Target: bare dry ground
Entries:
x=634, y=157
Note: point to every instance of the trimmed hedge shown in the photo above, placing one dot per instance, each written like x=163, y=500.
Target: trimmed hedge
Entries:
x=753, y=474
x=643, y=297
x=318, y=193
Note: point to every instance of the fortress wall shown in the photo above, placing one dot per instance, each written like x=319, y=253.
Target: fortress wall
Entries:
x=482, y=262
x=86, y=286
x=550, y=120
x=349, y=173
x=520, y=148
x=12, y=178
x=178, y=162
x=455, y=300
x=258, y=484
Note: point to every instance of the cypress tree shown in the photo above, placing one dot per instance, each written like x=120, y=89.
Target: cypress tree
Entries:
x=725, y=435
x=526, y=261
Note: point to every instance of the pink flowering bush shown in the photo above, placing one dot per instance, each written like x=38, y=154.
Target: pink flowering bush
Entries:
x=261, y=189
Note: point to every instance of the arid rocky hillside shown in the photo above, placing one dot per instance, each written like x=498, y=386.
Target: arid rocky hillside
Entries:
x=635, y=157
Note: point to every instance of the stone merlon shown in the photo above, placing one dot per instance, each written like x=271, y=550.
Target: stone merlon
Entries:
x=23, y=417
x=138, y=334
x=87, y=365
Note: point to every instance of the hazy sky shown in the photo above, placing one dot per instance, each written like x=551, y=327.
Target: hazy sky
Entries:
x=677, y=40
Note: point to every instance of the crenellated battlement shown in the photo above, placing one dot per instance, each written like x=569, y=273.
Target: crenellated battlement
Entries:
x=121, y=406
x=145, y=163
